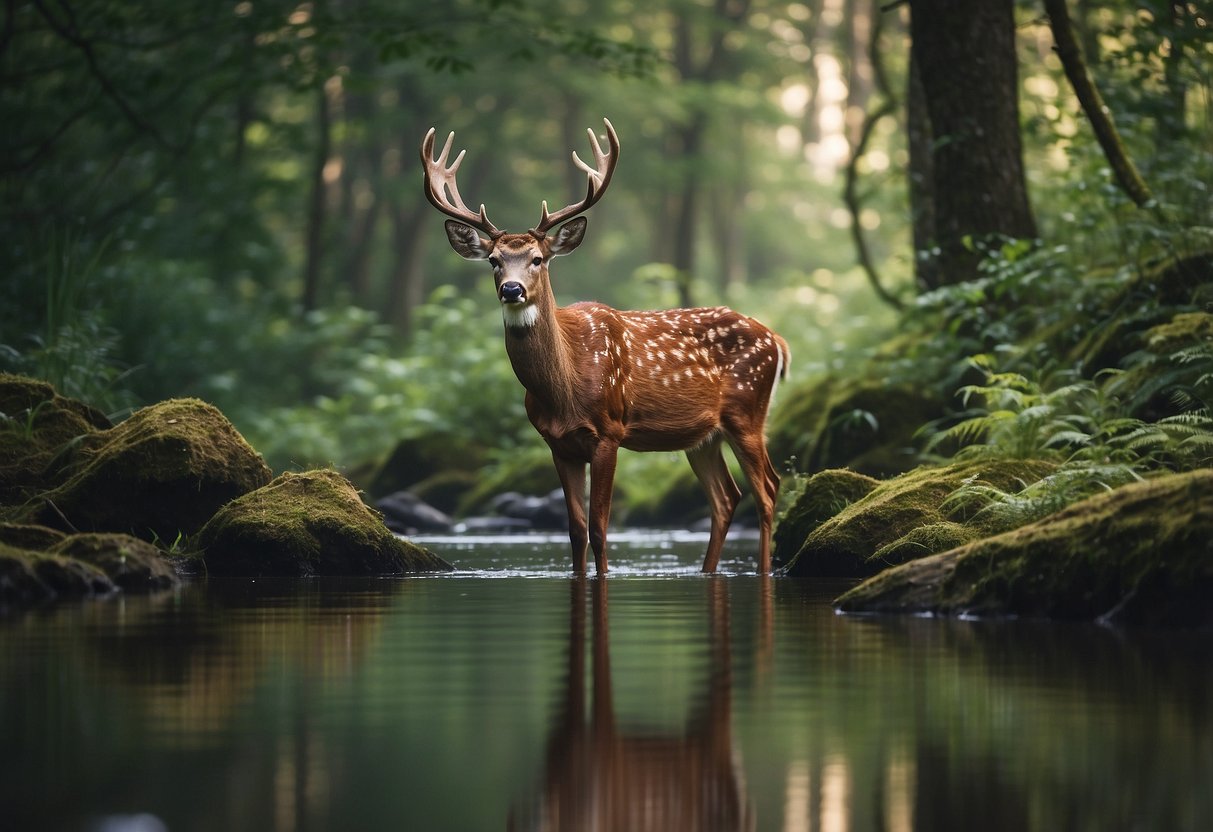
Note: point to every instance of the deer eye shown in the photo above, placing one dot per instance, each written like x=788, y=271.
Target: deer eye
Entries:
x=494, y=262
x=538, y=261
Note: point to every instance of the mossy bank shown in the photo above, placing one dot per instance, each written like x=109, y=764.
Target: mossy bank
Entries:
x=88, y=508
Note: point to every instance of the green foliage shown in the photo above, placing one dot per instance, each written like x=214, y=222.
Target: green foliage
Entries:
x=454, y=378
x=70, y=345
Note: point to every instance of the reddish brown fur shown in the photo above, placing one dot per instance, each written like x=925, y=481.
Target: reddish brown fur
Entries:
x=598, y=379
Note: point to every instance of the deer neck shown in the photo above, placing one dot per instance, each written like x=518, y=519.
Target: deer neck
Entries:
x=539, y=350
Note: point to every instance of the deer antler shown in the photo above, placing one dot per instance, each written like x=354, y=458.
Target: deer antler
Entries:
x=440, y=181
x=597, y=179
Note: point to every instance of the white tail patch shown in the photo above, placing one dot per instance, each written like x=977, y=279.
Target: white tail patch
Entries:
x=781, y=366
x=519, y=314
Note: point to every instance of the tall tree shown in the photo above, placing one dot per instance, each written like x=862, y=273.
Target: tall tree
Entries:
x=964, y=54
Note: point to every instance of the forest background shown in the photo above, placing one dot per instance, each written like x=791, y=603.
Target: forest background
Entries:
x=223, y=200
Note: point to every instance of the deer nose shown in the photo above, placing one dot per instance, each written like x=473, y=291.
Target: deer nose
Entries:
x=511, y=292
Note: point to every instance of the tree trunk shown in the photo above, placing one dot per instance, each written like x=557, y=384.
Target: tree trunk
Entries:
x=965, y=54
x=406, y=284
x=314, y=235
x=922, y=180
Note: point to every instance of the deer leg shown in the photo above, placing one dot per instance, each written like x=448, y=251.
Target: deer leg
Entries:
x=602, y=480
x=707, y=461
x=751, y=451
x=572, y=480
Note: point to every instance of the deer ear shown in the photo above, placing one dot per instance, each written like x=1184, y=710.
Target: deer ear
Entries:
x=466, y=242
x=569, y=236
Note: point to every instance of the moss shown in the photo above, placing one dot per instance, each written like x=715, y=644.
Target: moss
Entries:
x=846, y=544
x=921, y=541
x=1183, y=330
x=423, y=457
x=1141, y=554
x=867, y=425
x=825, y=494
x=161, y=473
x=130, y=563
x=36, y=423
x=35, y=577
x=313, y=523
x=27, y=536
x=1174, y=282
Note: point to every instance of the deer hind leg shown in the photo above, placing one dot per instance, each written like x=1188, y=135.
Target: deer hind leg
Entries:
x=602, y=481
x=572, y=480
x=707, y=461
x=751, y=451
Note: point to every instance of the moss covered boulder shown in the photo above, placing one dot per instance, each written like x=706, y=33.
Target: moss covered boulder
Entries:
x=1141, y=554
x=132, y=564
x=420, y=458
x=160, y=474
x=29, y=536
x=36, y=426
x=847, y=544
x=312, y=523
x=864, y=424
x=28, y=577
x=825, y=494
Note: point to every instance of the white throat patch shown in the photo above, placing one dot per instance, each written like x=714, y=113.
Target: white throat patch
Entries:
x=519, y=314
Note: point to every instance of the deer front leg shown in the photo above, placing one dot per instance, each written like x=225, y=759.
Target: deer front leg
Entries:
x=572, y=480
x=602, y=480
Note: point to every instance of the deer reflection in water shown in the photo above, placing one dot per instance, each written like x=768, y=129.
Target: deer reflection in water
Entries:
x=599, y=776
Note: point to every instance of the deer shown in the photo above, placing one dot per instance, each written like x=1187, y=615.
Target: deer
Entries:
x=598, y=379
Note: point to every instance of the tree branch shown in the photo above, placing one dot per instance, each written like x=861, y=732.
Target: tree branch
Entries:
x=70, y=33
x=1130, y=179
x=850, y=195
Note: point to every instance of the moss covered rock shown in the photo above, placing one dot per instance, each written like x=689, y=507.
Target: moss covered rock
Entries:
x=846, y=544
x=36, y=424
x=313, y=523
x=1141, y=554
x=825, y=494
x=1174, y=282
x=29, y=536
x=35, y=577
x=161, y=473
x=132, y=564
x=421, y=458
x=863, y=424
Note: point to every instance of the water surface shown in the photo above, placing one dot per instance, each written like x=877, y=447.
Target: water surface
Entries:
x=510, y=696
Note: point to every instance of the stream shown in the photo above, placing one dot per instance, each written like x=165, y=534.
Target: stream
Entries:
x=511, y=696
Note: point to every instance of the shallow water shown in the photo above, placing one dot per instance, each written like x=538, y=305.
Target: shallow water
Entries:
x=510, y=696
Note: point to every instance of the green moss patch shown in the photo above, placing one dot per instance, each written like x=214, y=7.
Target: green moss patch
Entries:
x=863, y=424
x=132, y=564
x=36, y=424
x=28, y=536
x=825, y=494
x=846, y=544
x=35, y=577
x=313, y=523
x=421, y=458
x=161, y=473
x=1141, y=554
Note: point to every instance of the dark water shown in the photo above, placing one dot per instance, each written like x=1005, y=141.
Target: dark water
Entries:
x=509, y=696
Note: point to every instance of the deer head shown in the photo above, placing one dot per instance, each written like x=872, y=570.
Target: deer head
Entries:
x=519, y=261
